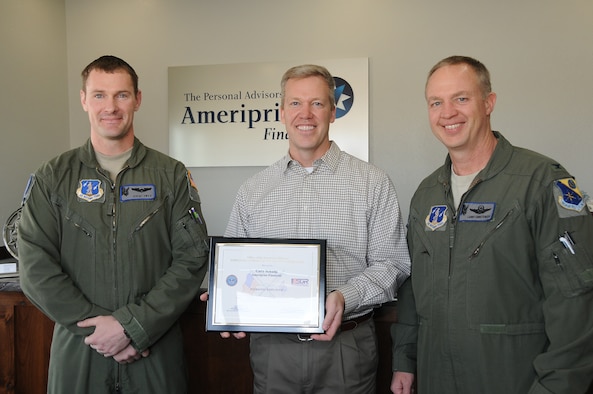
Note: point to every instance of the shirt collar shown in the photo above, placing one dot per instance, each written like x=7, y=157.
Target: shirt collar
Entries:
x=330, y=159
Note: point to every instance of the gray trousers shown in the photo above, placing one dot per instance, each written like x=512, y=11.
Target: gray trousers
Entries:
x=282, y=363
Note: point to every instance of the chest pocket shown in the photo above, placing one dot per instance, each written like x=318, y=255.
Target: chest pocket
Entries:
x=429, y=262
x=79, y=250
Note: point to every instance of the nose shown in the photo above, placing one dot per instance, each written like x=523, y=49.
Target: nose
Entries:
x=306, y=111
x=110, y=104
x=448, y=110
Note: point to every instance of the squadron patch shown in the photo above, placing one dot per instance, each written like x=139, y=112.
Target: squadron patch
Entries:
x=90, y=190
x=477, y=212
x=137, y=192
x=437, y=217
x=569, y=198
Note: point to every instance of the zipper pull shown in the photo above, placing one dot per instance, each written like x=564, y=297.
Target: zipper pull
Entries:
x=557, y=261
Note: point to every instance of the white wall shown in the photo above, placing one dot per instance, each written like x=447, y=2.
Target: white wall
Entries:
x=33, y=92
x=538, y=51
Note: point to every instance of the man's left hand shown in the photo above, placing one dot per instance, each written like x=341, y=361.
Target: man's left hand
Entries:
x=334, y=311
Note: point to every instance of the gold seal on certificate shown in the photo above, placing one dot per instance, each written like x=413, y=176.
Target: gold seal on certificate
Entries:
x=266, y=285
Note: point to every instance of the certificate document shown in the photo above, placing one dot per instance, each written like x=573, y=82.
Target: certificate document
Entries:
x=263, y=285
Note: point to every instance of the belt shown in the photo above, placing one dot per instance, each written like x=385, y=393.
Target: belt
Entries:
x=351, y=324
x=347, y=325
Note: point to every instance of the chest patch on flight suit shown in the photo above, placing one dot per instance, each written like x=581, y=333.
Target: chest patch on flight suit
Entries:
x=437, y=218
x=90, y=190
x=477, y=212
x=569, y=198
x=137, y=192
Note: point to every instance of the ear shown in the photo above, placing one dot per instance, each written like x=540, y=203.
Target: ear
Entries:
x=138, y=100
x=489, y=102
x=83, y=100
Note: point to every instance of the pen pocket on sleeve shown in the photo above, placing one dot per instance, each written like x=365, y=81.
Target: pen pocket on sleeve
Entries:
x=573, y=273
x=194, y=238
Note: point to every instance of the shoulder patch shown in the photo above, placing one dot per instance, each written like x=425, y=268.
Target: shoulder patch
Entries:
x=569, y=198
x=193, y=189
x=28, y=188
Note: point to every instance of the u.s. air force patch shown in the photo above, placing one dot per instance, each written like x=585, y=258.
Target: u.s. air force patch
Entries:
x=569, y=199
x=90, y=190
x=437, y=218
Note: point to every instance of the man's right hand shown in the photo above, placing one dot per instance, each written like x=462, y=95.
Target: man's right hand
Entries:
x=224, y=334
x=129, y=355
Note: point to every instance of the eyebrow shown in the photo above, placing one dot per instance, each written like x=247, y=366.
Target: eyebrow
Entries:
x=456, y=94
x=105, y=91
x=302, y=99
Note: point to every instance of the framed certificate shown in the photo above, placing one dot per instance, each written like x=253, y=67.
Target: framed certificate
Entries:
x=266, y=285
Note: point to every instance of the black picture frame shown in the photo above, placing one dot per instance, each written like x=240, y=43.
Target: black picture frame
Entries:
x=266, y=285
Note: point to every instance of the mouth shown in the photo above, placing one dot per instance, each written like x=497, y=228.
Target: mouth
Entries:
x=111, y=120
x=307, y=127
x=452, y=127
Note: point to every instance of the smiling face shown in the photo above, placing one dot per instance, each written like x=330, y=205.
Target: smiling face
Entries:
x=458, y=110
x=110, y=102
x=307, y=113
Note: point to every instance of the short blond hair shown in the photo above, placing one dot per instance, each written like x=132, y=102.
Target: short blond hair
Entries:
x=305, y=71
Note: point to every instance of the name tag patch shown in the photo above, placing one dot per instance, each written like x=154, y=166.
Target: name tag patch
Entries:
x=477, y=212
x=137, y=192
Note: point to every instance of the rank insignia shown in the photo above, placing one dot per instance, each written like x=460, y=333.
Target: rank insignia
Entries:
x=568, y=194
x=89, y=190
x=437, y=217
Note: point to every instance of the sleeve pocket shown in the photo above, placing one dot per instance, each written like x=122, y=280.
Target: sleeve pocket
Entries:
x=573, y=273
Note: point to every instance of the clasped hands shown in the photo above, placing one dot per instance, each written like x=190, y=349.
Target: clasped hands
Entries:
x=110, y=340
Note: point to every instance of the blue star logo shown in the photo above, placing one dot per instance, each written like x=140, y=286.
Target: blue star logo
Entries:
x=344, y=97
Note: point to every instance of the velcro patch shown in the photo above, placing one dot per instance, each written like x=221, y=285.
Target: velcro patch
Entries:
x=436, y=218
x=90, y=190
x=477, y=212
x=27, y=192
x=137, y=192
x=569, y=198
x=192, y=187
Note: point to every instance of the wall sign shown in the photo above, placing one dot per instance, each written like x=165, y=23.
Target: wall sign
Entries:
x=229, y=115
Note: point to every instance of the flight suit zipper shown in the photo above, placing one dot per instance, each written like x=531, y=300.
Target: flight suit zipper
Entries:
x=488, y=235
